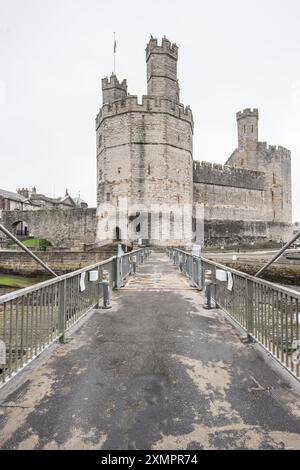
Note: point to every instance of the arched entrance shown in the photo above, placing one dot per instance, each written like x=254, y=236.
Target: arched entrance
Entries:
x=20, y=228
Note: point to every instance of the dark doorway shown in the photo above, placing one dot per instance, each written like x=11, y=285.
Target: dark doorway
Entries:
x=118, y=234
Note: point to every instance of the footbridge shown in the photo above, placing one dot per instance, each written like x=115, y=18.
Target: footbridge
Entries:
x=162, y=366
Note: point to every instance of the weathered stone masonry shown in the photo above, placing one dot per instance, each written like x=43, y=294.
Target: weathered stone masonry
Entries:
x=145, y=151
x=70, y=229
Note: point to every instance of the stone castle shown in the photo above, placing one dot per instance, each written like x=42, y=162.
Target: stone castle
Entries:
x=145, y=151
x=145, y=154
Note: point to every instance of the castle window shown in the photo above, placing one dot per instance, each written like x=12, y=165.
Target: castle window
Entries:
x=119, y=171
x=252, y=129
x=138, y=228
x=149, y=169
x=100, y=175
x=108, y=196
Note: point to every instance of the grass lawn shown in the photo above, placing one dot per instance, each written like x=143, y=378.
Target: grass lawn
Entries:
x=10, y=280
x=36, y=243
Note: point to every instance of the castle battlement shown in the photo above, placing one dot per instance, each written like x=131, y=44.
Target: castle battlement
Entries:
x=248, y=112
x=113, y=82
x=271, y=149
x=150, y=104
x=225, y=175
x=165, y=48
x=200, y=165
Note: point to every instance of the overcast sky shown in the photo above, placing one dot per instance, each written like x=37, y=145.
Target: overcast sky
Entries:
x=233, y=54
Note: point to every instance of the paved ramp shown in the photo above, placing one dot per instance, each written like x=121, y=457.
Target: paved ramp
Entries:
x=155, y=372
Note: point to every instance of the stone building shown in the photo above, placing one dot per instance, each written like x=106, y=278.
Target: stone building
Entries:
x=145, y=150
x=10, y=201
x=145, y=153
x=41, y=201
x=145, y=156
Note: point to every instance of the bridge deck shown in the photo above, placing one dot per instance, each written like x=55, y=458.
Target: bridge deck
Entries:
x=157, y=371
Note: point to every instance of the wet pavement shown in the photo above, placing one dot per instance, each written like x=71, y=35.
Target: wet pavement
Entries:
x=157, y=371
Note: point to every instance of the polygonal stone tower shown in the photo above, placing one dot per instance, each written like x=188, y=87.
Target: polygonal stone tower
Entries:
x=145, y=150
x=162, y=69
x=247, y=122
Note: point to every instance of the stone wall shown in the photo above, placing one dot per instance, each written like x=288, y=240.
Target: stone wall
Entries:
x=223, y=175
x=70, y=229
x=18, y=262
x=236, y=232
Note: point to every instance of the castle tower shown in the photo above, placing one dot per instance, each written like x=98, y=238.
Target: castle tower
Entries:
x=247, y=123
x=162, y=69
x=112, y=90
x=145, y=150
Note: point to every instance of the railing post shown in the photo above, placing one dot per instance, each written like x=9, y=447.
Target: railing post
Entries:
x=62, y=311
x=119, y=280
x=249, y=297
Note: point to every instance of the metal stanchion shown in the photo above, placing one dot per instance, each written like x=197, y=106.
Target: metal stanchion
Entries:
x=134, y=264
x=181, y=263
x=208, y=288
x=105, y=287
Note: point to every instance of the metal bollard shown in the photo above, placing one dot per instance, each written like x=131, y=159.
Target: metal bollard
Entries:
x=181, y=263
x=134, y=264
x=208, y=287
x=105, y=288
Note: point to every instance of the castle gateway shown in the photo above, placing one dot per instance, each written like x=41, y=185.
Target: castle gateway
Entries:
x=149, y=187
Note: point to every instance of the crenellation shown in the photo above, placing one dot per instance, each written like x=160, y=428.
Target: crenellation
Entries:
x=217, y=174
x=248, y=112
x=166, y=47
x=131, y=104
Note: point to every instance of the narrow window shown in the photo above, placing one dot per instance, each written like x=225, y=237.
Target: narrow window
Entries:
x=252, y=129
x=119, y=171
x=108, y=196
x=149, y=169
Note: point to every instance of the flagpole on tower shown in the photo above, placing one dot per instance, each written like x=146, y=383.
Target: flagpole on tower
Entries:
x=115, y=50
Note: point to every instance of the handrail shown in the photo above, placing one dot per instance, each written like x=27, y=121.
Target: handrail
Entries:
x=267, y=312
x=34, y=317
x=278, y=287
x=49, y=282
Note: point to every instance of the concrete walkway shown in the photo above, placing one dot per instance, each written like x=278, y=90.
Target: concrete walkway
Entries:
x=157, y=371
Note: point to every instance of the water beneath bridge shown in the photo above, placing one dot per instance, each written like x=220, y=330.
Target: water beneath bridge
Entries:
x=157, y=371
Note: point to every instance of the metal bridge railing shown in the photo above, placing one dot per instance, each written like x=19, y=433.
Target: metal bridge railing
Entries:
x=33, y=318
x=269, y=313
